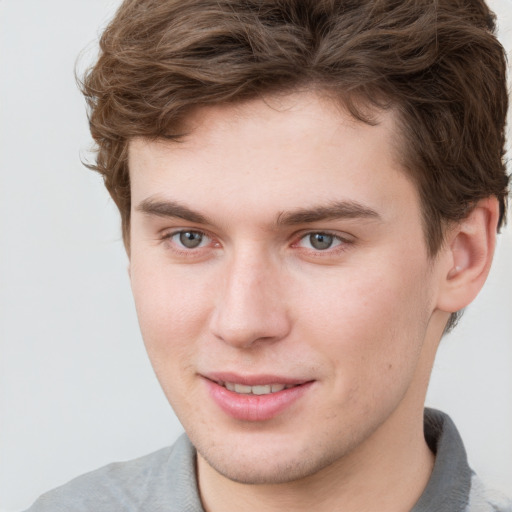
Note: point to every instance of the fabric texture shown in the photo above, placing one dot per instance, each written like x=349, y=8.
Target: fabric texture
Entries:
x=165, y=481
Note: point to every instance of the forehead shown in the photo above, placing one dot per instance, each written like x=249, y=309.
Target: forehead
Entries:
x=275, y=153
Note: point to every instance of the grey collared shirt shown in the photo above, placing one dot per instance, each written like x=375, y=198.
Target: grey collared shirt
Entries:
x=165, y=481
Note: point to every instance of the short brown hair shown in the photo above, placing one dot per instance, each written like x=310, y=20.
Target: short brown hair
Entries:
x=436, y=62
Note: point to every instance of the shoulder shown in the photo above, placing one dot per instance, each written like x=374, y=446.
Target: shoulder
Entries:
x=163, y=480
x=453, y=486
x=483, y=499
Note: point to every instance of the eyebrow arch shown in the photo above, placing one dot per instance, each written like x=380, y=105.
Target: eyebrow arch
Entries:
x=332, y=211
x=170, y=209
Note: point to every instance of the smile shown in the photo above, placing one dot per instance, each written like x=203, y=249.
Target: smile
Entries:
x=255, y=398
x=266, y=389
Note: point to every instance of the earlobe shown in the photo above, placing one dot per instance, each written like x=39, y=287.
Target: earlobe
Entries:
x=470, y=249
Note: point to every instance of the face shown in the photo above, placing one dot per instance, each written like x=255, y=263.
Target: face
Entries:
x=282, y=284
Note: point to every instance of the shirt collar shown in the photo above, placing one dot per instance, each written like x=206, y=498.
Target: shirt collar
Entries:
x=447, y=489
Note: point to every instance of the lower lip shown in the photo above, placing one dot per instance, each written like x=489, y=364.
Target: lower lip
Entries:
x=255, y=407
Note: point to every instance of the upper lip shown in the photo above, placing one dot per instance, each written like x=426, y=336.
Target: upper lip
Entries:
x=253, y=380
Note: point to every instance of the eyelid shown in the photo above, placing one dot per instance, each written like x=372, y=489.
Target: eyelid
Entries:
x=168, y=234
x=343, y=236
x=344, y=240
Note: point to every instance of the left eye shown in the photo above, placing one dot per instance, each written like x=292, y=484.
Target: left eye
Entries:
x=319, y=241
x=190, y=239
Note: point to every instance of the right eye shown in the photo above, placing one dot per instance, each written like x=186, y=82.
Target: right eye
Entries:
x=189, y=239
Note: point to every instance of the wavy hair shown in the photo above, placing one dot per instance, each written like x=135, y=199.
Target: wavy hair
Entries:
x=436, y=62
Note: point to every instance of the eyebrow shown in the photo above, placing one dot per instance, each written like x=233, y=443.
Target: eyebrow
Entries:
x=332, y=211
x=170, y=209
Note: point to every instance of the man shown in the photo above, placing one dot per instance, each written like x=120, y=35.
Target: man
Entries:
x=310, y=193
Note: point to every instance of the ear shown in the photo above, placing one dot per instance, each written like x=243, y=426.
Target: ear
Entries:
x=468, y=256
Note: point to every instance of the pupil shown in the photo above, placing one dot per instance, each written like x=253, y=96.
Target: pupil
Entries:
x=321, y=241
x=191, y=239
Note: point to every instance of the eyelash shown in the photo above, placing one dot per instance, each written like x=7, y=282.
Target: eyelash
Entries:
x=341, y=245
x=184, y=251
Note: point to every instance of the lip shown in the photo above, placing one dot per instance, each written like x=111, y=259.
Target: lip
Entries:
x=254, y=408
x=254, y=380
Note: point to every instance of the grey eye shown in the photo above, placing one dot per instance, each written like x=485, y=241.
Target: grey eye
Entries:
x=321, y=241
x=190, y=239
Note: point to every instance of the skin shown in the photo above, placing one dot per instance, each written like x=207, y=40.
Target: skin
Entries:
x=360, y=320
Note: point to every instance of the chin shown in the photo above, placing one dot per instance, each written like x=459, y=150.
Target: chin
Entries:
x=265, y=472
x=270, y=465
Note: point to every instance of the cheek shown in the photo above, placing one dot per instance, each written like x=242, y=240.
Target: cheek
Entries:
x=172, y=313
x=371, y=324
x=172, y=310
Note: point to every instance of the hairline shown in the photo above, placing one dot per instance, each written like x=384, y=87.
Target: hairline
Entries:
x=356, y=105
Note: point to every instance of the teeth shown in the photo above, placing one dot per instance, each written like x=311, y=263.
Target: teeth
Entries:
x=255, y=390
x=261, y=390
x=241, y=388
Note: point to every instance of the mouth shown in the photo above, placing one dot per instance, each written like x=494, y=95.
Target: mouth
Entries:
x=259, y=389
x=255, y=398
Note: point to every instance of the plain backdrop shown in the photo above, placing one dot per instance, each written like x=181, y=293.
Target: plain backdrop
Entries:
x=76, y=389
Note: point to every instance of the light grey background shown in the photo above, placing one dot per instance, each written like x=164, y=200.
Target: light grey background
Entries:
x=76, y=389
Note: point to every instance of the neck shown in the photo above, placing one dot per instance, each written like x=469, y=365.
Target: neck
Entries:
x=390, y=469
x=388, y=472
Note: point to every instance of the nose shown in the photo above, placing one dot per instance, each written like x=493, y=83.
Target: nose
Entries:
x=250, y=306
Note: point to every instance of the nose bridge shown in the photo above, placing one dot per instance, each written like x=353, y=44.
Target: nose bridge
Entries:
x=250, y=304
